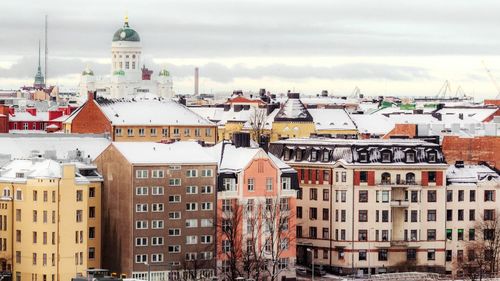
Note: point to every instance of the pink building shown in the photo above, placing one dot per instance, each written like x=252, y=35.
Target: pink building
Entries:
x=255, y=213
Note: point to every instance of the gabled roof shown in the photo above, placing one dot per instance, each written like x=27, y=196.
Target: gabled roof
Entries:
x=293, y=110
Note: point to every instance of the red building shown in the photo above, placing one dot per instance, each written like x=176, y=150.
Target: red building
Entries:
x=33, y=120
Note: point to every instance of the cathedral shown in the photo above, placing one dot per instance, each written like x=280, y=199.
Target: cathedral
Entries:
x=127, y=78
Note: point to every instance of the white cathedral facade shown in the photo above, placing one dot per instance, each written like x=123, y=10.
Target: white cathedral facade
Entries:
x=127, y=78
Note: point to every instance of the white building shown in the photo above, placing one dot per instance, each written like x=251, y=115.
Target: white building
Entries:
x=127, y=77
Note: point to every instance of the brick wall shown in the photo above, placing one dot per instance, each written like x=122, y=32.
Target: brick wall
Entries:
x=409, y=130
x=472, y=150
x=90, y=120
x=4, y=119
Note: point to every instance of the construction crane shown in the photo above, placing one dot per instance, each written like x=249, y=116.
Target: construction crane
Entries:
x=492, y=79
x=444, y=90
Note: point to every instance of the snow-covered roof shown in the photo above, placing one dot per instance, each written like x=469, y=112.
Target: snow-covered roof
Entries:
x=44, y=168
x=183, y=152
x=22, y=146
x=470, y=174
x=372, y=123
x=293, y=110
x=151, y=112
x=221, y=116
x=331, y=119
x=28, y=117
x=374, y=142
x=413, y=119
x=468, y=114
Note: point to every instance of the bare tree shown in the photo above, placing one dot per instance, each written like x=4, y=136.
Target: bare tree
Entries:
x=194, y=265
x=483, y=253
x=257, y=122
x=258, y=234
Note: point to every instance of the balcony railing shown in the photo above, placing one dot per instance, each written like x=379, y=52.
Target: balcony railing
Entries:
x=400, y=203
x=400, y=182
x=399, y=243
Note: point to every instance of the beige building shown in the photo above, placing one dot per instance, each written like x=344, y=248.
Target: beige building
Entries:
x=472, y=197
x=50, y=225
x=368, y=205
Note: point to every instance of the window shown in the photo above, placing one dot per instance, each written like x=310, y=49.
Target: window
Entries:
x=152, y=131
x=363, y=196
x=431, y=234
x=191, y=189
x=157, y=224
x=363, y=176
x=141, y=174
x=414, y=216
x=164, y=132
x=414, y=196
x=130, y=132
x=411, y=254
x=314, y=155
x=449, y=195
x=176, y=132
x=362, y=235
x=431, y=215
x=79, y=215
x=191, y=239
x=91, y=232
x=91, y=212
x=313, y=213
x=141, y=224
x=449, y=215
x=157, y=190
x=174, y=248
x=472, y=234
x=489, y=196
x=191, y=173
x=229, y=184
x=208, y=132
x=313, y=232
x=118, y=131
x=206, y=189
x=158, y=207
x=192, y=206
x=187, y=131
x=141, y=258
x=174, y=182
x=385, y=216
x=410, y=156
x=410, y=178
x=140, y=208
x=431, y=156
x=382, y=254
x=299, y=212
x=326, y=214
x=206, y=173
x=431, y=255
x=362, y=255
x=284, y=205
x=156, y=257
x=207, y=222
x=269, y=184
x=344, y=176
x=141, y=190
x=460, y=234
x=386, y=156
x=174, y=198
x=141, y=241
x=174, y=232
x=461, y=195
x=431, y=176
x=460, y=215
x=251, y=184
x=431, y=196
x=206, y=206
x=325, y=155
x=226, y=246
x=448, y=255
x=472, y=196
x=141, y=132
x=363, y=216
x=489, y=215
x=472, y=215
x=157, y=174
x=191, y=223
x=206, y=239
x=363, y=157
x=313, y=194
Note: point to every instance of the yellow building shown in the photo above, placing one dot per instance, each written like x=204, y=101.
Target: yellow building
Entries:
x=50, y=225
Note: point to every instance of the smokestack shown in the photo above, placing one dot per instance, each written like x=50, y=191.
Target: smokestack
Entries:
x=196, y=81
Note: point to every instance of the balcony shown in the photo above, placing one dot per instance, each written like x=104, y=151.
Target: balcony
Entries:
x=399, y=243
x=400, y=203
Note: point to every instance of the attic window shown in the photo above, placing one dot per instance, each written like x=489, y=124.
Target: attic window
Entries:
x=314, y=155
x=410, y=157
x=326, y=155
x=19, y=175
x=431, y=156
x=386, y=156
x=298, y=155
x=287, y=154
x=363, y=157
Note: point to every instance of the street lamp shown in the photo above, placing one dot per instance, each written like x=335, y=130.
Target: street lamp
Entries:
x=312, y=263
x=149, y=270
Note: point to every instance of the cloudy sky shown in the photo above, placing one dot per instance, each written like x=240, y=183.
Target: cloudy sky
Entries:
x=385, y=47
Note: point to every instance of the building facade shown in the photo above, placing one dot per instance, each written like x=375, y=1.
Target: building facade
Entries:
x=159, y=210
x=51, y=219
x=368, y=205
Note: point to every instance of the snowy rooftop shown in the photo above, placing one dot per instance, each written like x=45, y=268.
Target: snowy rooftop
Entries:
x=374, y=142
x=19, y=170
x=22, y=146
x=470, y=174
x=28, y=117
x=293, y=109
x=372, y=123
x=151, y=112
x=184, y=152
x=466, y=114
x=332, y=119
x=219, y=115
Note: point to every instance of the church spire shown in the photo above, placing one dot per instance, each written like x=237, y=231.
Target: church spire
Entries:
x=39, y=79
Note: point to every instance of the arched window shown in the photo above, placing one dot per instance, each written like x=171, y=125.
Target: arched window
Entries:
x=410, y=178
x=386, y=178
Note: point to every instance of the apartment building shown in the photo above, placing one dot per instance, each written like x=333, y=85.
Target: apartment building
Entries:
x=50, y=219
x=147, y=119
x=256, y=200
x=159, y=210
x=368, y=205
x=472, y=196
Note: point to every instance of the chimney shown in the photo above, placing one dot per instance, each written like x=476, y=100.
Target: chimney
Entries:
x=438, y=116
x=459, y=164
x=196, y=81
x=324, y=93
x=293, y=95
x=241, y=139
x=262, y=92
x=91, y=95
x=264, y=142
x=182, y=100
x=461, y=116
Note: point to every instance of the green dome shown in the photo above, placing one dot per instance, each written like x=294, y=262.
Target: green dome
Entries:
x=88, y=71
x=119, y=72
x=164, y=72
x=126, y=34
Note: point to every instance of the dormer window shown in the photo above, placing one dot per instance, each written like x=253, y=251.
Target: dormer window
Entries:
x=19, y=175
x=363, y=157
x=287, y=154
x=410, y=157
x=314, y=155
x=431, y=156
x=298, y=155
x=326, y=155
x=386, y=156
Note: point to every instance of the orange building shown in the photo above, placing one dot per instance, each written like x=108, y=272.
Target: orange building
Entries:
x=255, y=202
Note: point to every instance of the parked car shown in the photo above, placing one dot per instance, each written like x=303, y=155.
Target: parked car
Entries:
x=319, y=270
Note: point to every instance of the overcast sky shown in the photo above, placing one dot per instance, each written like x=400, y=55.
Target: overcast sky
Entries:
x=383, y=47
